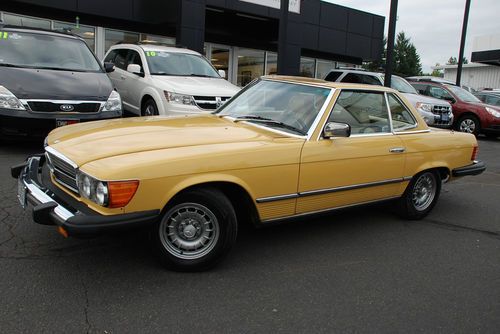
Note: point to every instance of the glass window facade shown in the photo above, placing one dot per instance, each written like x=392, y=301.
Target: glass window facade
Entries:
x=26, y=21
x=307, y=67
x=323, y=67
x=250, y=66
x=272, y=63
x=113, y=37
x=85, y=32
x=148, y=38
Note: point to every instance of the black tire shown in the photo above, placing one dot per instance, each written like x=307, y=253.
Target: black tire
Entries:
x=469, y=124
x=420, y=196
x=196, y=231
x=149, y=108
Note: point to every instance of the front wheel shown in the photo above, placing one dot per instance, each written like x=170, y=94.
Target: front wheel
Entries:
x=149, y=108
x=469, y=124
x=197, y=230
x=421, y=195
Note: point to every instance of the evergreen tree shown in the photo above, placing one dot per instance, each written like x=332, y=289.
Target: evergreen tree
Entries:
x=406, y=58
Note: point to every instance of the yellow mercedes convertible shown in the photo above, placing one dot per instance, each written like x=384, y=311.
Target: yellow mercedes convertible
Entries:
x=283, y=147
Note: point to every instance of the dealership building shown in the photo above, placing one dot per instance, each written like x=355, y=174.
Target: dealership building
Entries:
x=240, y=37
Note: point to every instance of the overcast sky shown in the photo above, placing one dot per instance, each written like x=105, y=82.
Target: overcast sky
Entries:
x=435, y=26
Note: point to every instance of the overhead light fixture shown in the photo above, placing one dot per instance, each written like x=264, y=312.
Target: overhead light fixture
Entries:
x=252, y=17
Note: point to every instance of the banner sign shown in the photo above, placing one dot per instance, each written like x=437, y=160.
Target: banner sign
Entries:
x=293, y=5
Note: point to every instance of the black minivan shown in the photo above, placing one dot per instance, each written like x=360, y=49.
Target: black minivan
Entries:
x=50, y=79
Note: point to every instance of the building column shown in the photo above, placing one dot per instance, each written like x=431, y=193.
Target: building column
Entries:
x=191, y=24
x=289, y=43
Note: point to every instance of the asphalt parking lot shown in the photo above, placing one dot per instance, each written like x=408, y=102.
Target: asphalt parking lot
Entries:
x=357, y=270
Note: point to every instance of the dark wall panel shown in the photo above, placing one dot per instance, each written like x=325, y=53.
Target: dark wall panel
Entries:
x=377, y=48
x=333, y=41
x=60, y=4
x=121, y=10
x=333, y=17
x=378, y=27
x=359, y=45
x=310, y=11
x=360, y=23
x=310, y=36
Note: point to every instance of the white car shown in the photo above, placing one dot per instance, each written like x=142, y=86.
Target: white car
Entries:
x=161, y=80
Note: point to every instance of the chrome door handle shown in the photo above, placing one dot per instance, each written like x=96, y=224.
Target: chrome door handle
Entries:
x=397, y=150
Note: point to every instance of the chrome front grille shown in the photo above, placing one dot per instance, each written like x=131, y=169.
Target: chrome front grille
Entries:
x=63, y=170
x=210, y=102
x=444, y=112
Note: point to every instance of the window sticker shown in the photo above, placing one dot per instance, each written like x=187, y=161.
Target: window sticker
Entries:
x=151, y=53
x=4, y=34
x=13, y=36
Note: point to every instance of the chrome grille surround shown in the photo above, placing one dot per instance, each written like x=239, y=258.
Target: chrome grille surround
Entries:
x=210, y=102
x=63, y=169
x=442, y=110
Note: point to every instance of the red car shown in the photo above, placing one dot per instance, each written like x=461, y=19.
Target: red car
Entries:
x=471, y=115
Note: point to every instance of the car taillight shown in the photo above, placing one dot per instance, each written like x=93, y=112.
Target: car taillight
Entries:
x=474, y=153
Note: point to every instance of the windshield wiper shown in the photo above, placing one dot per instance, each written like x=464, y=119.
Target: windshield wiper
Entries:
x=200, y=75
x=261, y=119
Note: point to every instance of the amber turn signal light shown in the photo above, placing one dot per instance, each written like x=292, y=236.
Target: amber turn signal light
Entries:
x=121, y=192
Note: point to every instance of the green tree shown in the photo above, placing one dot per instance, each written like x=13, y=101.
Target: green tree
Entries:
x=436, y=72
x=454, y=61
x=406, y=58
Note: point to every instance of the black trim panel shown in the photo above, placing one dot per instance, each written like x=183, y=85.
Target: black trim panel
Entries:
x=474, y=169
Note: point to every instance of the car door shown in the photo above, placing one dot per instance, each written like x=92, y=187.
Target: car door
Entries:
x=134, y=84
x=367, y=166
x=118, y=75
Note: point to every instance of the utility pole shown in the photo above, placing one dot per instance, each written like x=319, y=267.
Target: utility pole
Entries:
x=390, y=42
x=282, y=37
x=462, y=42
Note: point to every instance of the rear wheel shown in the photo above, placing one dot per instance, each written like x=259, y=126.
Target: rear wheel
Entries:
x=421, y=195
x=197, y=230
x=149, y=108
x=469, y=124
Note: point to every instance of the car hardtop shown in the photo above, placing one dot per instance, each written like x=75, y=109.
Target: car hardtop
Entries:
x=59, y=33
x=146, y=47
x=328, y=84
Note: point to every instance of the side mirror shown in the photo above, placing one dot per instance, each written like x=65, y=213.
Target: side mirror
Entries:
x=334, y=129
x=136, y=69
x=109, y=67
x=222, y=73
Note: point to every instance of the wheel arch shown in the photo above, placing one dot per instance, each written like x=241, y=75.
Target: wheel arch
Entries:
x=152, y=94
x=234, y=189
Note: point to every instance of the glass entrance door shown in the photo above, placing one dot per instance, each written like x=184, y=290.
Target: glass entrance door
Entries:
x=221, y=58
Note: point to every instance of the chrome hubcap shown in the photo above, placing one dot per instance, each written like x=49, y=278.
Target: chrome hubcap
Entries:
x=467, y=125
x=424, y=191
x=189, y=231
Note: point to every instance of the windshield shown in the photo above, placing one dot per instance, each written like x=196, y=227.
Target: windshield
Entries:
x=287, y=106
x=42, y=51
x=181, y=64
x=462, y=94
x=401, y=85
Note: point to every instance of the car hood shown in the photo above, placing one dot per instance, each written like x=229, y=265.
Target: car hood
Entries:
x=196, y=85
x=414, y=98
x=27, y=83
x=86, y=142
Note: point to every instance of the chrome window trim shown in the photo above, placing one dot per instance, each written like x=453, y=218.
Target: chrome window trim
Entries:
x=331, y=190
x=321, y=112
x=412, y=132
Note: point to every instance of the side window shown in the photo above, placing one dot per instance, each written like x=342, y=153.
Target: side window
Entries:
x=333, y=76
x=493, y=100
x=121, y=59
x=135, y=58
x=110, y=58
x=481, y=97
x=365, y=112
x=402, y=118
x=439, y=93
x=361, y=79
x=421, y=89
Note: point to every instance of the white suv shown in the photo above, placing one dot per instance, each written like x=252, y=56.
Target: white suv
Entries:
x=161, y=80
